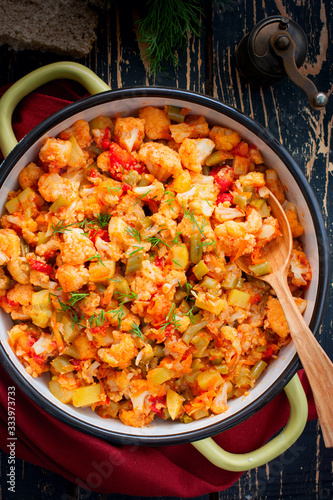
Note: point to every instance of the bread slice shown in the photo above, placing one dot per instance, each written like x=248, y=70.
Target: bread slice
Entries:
x=60, y=26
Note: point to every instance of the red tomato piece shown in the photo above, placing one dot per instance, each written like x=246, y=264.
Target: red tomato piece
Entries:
x=106, y=141
x=222, y=197
x=12, y=303
x=98, y=233
x=161, y=401
x=268, y=353
x=159, y=262
x=120, y=160
x=242, y=149
x=37, y=358
x=255, y=298
x=36, y=265
x=223, y=177
x=126, y=187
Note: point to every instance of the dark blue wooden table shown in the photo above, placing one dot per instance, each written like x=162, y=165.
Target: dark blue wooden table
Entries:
x=304, y=472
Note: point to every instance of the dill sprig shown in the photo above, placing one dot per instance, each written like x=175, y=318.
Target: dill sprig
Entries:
x=141, y=197
x=135, y=330
x=155, y=241
x=135, y=233
x=171, y=319
x=76, y=297
x=187, y=289
x=103, y=220
x=98, y=259
x=138, y=249
x=165, y=30
x=61, y=227
x=97, y=319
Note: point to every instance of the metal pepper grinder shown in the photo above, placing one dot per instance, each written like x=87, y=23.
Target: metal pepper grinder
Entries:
x=275, y=48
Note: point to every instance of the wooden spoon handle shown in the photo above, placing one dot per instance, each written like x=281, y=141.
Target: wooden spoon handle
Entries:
x=316, y=363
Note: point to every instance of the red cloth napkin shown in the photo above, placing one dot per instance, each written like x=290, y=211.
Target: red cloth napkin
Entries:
x=92, y=463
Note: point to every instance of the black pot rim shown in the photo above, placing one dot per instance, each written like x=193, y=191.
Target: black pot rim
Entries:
x=323, y=279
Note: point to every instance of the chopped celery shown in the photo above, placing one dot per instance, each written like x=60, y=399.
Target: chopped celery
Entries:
x=25, y=247
x=61, y=201
x=215, y=158
x=131, y=178
x=195, y=248
x=175, y=114
x=258, y=368
x=122, y=290
x=261, y=269
x=100, y=122
x=205, y=170
x=257, y=203
x=193, y=330
x=134, y=263
x=240, y=200
x=223, y=369
x=264, y=210
x=200, y=270
x=198, y=414
x=209, y=283
x=230, y=281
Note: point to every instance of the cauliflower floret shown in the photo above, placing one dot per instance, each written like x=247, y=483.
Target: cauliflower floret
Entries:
x=49, y=248
x=29, y=175
x=220, y=404
x=224, y=138
x=200, y=199
x=274, y=184
x=253, y=222
x=300, y=269
x=129, y=133
x=81, y=132
x=72, y=278
x=122, y=351
x=195, y=126
x=154, y=191
x=234, y=240
x=268, y=232
x=223, y=213
x=108, y=192
x=256, y=179
x=76, y=248
x=160, y=160
x=276, y=320
x=21, y=294
x=10, y=246
x=53, y=185
x=135, y=418
x=27, y=225
x=56, y=152
x=296, y=227
x=193, y=153
x=156, y=123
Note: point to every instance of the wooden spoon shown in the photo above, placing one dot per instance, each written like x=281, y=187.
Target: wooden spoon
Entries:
x=317, y=365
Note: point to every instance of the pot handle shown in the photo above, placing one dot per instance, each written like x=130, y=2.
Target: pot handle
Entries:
x=246, y=461
x=30, y=82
